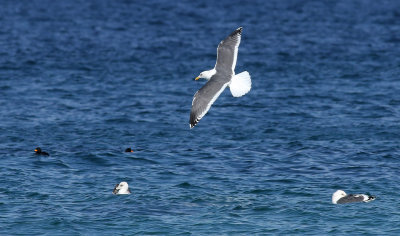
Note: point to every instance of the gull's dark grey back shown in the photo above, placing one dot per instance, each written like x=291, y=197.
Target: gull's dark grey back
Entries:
x=351, y=198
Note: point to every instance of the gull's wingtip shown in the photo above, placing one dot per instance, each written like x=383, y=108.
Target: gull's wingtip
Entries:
x=192, y=121
x=370, y=198
x=237, y=31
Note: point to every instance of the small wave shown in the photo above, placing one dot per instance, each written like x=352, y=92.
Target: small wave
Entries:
x=143, y=160
x=262, y=208
x=119, y=121
x=186, y=185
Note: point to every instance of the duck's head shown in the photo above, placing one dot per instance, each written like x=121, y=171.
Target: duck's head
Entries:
x=38, y=150
x=128, y=150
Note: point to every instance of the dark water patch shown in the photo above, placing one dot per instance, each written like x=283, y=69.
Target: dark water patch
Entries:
x=47, y=163
x=5, y=87
x=198, y=201
x=305, y=192
x=119, y=121
x=259, y=191
x=167, y=173
x=184, y=164
x=262, y=209
x=186, y=185
x=283, y=181
x=206, y=156
x=238, y=208
x=142, y=160
x=95, y=159
x=38, y=196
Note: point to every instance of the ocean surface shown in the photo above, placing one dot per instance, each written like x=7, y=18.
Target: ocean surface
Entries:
x=84, y=80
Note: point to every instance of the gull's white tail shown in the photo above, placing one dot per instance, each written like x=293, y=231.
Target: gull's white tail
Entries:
x=240, y=84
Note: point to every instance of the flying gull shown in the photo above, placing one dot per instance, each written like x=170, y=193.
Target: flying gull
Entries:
x=222, y=75
x=122, y=188
x=340, y=197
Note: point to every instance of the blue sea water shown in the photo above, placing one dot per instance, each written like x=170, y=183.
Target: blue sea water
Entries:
x=86, y=79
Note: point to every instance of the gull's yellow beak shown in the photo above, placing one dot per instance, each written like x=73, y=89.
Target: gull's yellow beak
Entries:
x=197, y=78
x=35, y=150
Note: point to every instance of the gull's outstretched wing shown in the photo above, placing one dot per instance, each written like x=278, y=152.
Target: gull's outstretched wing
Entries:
x=227, y=53
x=205, y=97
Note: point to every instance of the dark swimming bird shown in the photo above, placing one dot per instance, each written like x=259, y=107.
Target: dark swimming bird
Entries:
x=38, y=151
x=122, y=188
x=340, y=197
x=220, y=77
x=128, y=150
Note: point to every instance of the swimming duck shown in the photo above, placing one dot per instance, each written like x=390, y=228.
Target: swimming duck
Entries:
x=38, y=151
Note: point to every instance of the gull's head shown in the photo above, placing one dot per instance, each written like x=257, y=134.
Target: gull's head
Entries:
x=206, y=74
x=338, y=195
x=121, y=188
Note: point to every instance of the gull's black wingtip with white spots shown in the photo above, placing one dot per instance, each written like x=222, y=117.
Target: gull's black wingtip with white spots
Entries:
x=192, y=125
x=370, y=198
x=238, y=31
x=193, y=121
